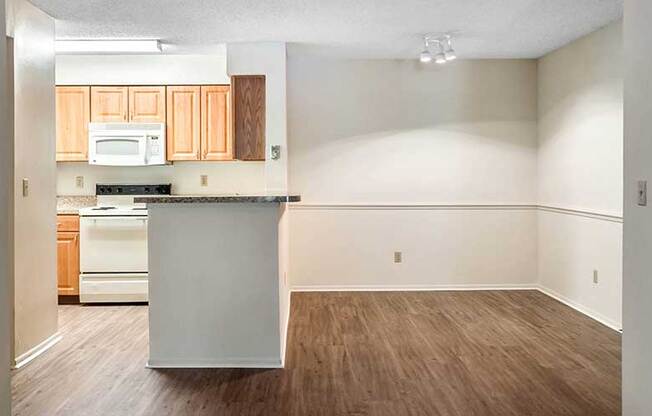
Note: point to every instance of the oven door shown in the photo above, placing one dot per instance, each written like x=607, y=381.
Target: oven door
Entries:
x=117, y=149
x=113, y=244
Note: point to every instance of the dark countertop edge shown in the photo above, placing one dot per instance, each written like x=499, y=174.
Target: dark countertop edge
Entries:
x=198, y=199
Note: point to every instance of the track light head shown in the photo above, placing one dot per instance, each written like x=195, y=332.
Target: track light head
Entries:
x=440, y=58
x=450, y=52
x=425, y=56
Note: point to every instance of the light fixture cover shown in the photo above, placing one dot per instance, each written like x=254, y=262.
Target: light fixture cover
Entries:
x=450, y=54
x=425, y=56
x=107, y=46
x=440, y=58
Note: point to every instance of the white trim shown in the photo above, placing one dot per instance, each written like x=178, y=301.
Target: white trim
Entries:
x=223, y=363
x=410, y=207
x=459, y=207
x=24, y=359
x=582, y=213
x=581, y=308
x=287, y=325
x=411, y=288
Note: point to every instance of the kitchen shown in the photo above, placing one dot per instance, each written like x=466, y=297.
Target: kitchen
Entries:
x=154, y=140
x=175, y=138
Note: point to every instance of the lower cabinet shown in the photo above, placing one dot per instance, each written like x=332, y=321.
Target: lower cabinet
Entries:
x=68, y=255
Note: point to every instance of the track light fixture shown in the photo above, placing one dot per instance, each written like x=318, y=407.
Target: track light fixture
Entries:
x=425, y=56
x=444, y=49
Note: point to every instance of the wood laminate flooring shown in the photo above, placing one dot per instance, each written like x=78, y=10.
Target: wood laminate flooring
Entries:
x=383, y=353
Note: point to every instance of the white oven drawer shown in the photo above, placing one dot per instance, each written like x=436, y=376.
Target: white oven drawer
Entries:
x=96, y=288
x=113, y=244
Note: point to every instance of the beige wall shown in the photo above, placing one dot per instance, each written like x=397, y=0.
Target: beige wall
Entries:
x=269, y=59
x=580, y=133
x=5, y=180
x=397, y=132
x=35, y=291
x=185, y=177
x=372, y=141
x=142, y=69
x=637, y=330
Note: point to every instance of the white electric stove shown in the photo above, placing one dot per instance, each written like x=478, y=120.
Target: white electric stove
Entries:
x=113, y=245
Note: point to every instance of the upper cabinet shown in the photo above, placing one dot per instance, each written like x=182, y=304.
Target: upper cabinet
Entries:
x=147, y=104
x=109, y=104
x=128, y=104
x=208, y=122
x=249, y=120
x=72, y=114
x=183, y=123
x=216, y=141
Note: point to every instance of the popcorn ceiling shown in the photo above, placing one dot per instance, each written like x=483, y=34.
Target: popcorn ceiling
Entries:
x=341, y=28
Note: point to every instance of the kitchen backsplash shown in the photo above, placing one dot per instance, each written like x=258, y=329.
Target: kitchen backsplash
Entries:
x=185, y=177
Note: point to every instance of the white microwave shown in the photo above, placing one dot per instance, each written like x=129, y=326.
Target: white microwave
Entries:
x=126, y=144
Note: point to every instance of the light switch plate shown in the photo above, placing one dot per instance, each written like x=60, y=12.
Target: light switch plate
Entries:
x=642, y=193
x=203, y=180
x=276, y=152
x=25, y=187
x=79, y=181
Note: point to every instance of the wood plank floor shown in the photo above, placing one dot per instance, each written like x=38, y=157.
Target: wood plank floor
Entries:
x=414, y=353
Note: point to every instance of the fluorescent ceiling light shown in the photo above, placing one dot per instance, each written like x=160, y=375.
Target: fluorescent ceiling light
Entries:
x=107, y=46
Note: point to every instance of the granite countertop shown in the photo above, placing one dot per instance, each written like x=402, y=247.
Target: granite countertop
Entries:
x=202, y=199
x=70, y=204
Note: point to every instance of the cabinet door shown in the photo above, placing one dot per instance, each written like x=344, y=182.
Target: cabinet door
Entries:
x=147, y=104
x=183, y=123
x=216, y=143
x=249, y=116
x=73, y=114
x=109, y=104
x=68, y=263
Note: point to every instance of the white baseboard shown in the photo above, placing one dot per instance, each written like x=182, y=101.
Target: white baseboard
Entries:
x=24, y=359
x=409, y=288
x=226, y=363
x=581, y=308
x=287, y=325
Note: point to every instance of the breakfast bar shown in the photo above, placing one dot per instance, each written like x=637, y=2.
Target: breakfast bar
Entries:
x=218, y=294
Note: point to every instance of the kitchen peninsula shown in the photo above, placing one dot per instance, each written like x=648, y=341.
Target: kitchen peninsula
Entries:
x=218, y=294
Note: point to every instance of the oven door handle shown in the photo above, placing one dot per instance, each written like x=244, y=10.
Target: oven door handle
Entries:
x=124, y=220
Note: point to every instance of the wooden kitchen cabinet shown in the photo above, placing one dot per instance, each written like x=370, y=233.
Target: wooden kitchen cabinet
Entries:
x=216, y=142
x=68, y=255
x=249, y=116
x=147, y=104
x=109, y=104
x=72, y=117
x=183, y=123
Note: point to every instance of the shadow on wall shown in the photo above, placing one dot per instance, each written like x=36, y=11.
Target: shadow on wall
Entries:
x=397, y=130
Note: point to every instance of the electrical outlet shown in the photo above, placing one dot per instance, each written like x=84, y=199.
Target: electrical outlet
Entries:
x=25, y=187
x=398, y=257
x=595, y=277
x=203, y=179
x=79, y=181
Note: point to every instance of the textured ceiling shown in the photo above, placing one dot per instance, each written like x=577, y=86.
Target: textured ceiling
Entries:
x=347, y=28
